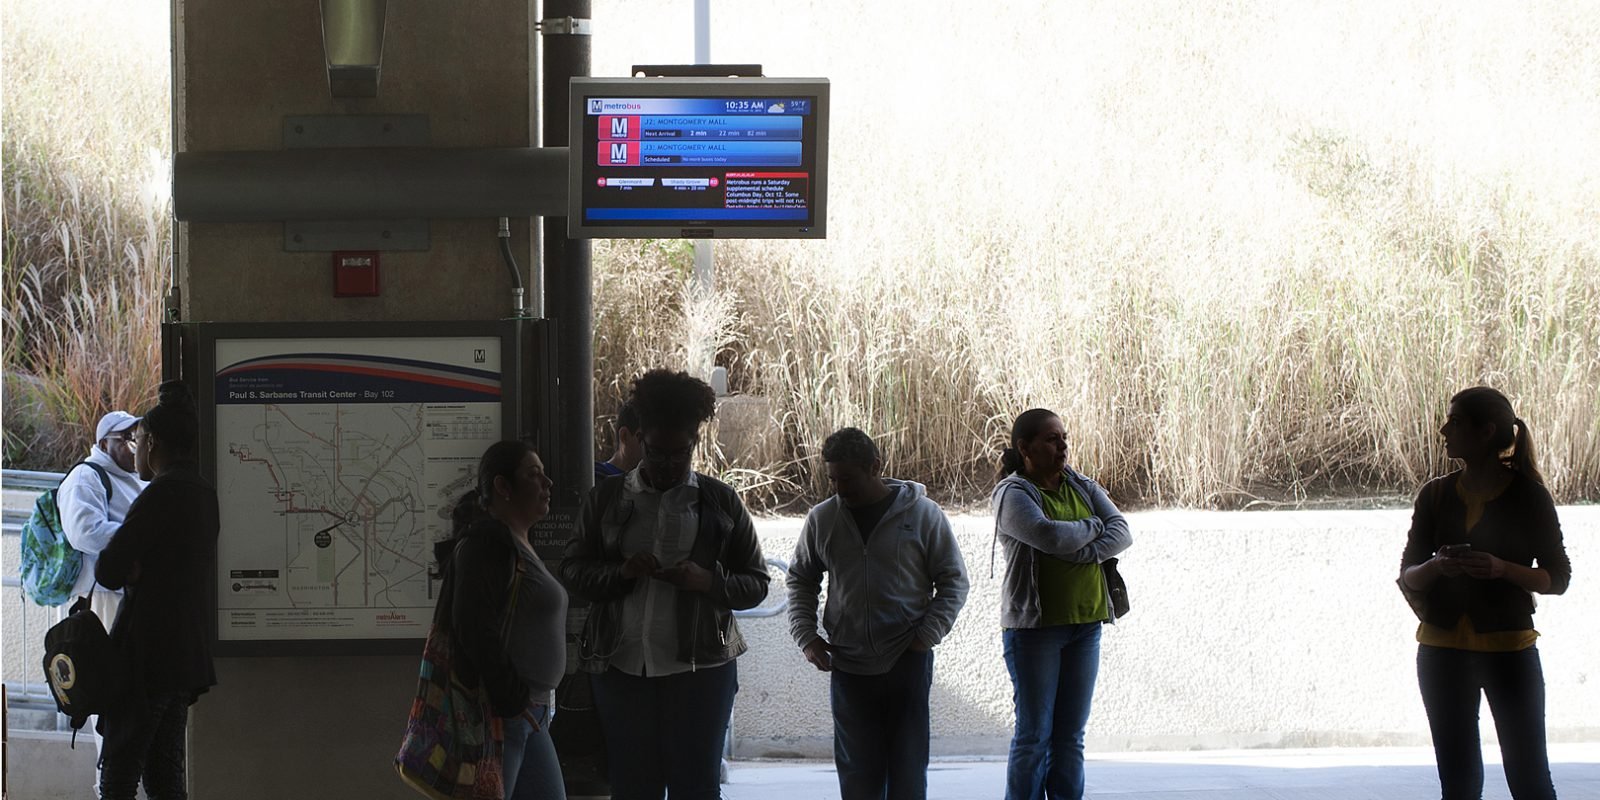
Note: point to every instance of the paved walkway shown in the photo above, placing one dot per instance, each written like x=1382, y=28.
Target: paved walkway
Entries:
x=1322, y=774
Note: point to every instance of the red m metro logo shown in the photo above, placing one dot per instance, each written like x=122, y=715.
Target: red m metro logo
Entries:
x=619, y=128
x=618, y=154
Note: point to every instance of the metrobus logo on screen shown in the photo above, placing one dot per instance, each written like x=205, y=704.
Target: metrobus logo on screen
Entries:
x=600, y=105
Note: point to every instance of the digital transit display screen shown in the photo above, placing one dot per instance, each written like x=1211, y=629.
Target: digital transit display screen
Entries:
x=696, y=157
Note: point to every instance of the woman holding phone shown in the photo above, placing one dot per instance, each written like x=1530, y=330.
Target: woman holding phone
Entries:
x=665, y=554
x=1483, y=540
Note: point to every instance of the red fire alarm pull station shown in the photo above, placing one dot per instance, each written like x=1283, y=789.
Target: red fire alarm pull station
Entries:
x=355, y=273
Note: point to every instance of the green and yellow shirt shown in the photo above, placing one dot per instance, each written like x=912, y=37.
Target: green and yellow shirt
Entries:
x=1069, y=593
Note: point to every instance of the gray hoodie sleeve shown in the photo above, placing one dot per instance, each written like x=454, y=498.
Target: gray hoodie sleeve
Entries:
x=949, y=575
x=805, y=583
x=1020, y=517
x=1114, y=536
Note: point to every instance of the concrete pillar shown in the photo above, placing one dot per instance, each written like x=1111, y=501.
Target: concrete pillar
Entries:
x=244, y=66
x=297, y=726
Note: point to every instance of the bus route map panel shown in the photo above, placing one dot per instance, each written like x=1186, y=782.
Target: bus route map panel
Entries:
x=337, y=463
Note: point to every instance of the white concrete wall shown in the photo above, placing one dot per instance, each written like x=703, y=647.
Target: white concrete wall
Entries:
x=44, y=766
x=1248, y=629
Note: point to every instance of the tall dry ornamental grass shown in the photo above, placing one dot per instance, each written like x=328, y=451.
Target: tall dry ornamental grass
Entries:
x=1247, y=250
x=87, y=222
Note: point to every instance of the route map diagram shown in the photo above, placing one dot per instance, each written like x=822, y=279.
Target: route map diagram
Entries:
x=337, y=473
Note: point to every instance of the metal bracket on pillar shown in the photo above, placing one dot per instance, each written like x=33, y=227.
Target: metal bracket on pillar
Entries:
x=356, y=130
x=364, y=131
x=566, y=26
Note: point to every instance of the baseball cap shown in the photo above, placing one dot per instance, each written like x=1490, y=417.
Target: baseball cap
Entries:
x=114, y=422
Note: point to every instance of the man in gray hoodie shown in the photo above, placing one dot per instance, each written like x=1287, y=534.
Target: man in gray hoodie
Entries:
x=895, y=584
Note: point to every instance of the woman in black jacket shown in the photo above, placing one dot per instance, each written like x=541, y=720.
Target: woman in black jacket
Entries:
x=665, y=554
x=160, y=558
x=1483, y=540
x=508, y=614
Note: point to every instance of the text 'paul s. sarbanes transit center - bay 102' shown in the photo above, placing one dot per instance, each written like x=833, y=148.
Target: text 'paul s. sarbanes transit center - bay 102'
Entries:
x=338, y=462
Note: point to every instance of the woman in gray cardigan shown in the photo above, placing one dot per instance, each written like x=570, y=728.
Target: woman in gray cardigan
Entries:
x=1056, y=526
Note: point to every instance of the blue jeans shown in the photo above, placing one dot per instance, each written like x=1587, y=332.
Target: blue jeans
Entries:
x=665, y=734
x=532, y=770
x=1052, y=678
x=1451, y=682
x=880, y=730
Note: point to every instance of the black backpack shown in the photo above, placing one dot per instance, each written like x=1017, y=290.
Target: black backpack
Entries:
x=80, y=666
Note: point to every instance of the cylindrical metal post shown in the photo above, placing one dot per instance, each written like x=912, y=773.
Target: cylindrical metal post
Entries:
x=569, y=294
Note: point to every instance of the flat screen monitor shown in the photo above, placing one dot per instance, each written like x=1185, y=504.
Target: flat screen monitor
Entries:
x=660, y=158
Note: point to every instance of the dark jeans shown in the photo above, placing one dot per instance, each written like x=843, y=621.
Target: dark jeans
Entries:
x=880, y=730
x=1053, y=671
x=145, y=739
x=1451, y=681
x=665, y=734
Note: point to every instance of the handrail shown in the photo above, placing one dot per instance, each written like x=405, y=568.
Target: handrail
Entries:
x=29, y=479
x=30, y=695
x=38, y=694
x=761, y=612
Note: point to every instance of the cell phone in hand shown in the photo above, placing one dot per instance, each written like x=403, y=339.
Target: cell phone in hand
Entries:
x=1455, y=550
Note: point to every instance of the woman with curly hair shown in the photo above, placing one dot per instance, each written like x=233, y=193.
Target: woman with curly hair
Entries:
x=1469, y=572
x=665, y=555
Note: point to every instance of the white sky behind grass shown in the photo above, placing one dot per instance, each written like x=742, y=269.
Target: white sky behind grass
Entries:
x=1167, y=118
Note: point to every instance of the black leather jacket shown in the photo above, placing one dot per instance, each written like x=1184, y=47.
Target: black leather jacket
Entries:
x=725, y=544
x=478, y=568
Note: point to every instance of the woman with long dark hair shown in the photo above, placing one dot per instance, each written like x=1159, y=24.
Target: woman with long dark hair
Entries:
x=160, y=557
x=1484, y=539
x=665, y=554
x=508, y=614
x=1056, y=526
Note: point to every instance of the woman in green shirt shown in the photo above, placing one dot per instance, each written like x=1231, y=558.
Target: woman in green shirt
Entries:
x=1056, y=526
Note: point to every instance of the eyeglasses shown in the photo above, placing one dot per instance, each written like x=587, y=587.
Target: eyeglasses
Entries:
x=678, y=454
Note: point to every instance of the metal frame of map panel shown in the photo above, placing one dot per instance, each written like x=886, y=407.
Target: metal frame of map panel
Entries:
x=518, y=418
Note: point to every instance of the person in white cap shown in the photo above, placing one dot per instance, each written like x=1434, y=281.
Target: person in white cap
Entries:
x=90, y=515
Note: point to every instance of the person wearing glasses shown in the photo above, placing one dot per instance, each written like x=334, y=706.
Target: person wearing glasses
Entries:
x=94, y=502
x=665, y=555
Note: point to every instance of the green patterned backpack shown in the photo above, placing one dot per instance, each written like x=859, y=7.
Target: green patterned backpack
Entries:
x=50, y=564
